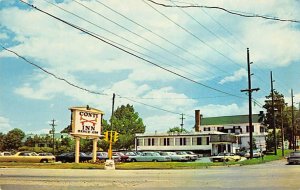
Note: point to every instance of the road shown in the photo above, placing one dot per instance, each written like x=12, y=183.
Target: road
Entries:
x=272, y=175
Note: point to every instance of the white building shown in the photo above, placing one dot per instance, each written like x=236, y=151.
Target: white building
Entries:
x=212, y=136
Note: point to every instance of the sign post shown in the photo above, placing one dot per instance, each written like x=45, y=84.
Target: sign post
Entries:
x=85, y=123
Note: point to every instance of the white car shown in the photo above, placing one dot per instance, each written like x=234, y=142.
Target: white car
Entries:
x=5, y=154
x=176, y=157
x=256, y=154
x=191, y=156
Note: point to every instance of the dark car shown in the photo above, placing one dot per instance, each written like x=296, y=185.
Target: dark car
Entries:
x=294, y=158
x=70, y=157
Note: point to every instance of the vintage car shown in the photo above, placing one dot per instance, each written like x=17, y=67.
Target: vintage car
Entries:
x=225, y=157
x=70, y=157
x=294, y=158
x=176, y=157
x=149, y=157
x=5, y=154
x=27, y=156
x=256, y=154
x=192, y=157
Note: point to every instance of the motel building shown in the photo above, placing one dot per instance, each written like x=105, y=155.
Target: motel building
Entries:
x=211, y=136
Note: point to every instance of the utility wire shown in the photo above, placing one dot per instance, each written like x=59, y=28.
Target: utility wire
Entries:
x=161, y=37
x=152, y=106
x=248, y=15
x=130, y=53
x=195, y=36
x=123, y=38
x=54, y=75
x=132, y=32
x=81, y=88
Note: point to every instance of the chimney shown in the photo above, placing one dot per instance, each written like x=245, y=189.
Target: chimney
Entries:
x=197, y=121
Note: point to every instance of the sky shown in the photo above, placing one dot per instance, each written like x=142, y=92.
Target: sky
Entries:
x=165, y=61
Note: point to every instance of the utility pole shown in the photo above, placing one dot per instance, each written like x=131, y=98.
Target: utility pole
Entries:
x=182, y=118
x=282, y=132
x=53, y=132
x=293, y=124
x=111, y=135
x=273, y=115
x=250, y=90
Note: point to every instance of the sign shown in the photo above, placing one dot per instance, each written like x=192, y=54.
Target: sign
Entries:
x=86, y=121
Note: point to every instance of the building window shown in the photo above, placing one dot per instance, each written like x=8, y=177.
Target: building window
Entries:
x=247, y=129
x=150, y=141
x=199, y=141
x=206, y=128
x=221, y=129
x=262, y=129
x=166, y=142
x=239, y=139
x=182, y=141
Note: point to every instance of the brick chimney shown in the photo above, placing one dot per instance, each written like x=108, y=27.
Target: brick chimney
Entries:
x=197, y=121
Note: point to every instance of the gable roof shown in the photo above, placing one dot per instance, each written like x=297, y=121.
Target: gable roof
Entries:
x=223, y=120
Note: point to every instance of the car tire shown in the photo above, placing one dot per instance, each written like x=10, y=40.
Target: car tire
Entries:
x=133, y=160
x=154, y=160
x=44, y=161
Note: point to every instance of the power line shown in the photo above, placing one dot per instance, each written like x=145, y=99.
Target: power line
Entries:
x=161, y=37
x=130, y=53
x=248, y=15
x=134, y=33
x=84, y=89
x=207, y=29
x=195, y=36
x=52, y=74
x=183, y=68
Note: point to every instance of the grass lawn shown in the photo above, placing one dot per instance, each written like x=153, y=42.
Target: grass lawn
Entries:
x=142, y=165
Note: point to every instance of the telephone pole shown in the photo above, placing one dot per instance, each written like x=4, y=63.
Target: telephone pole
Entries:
x=182, y=118
x=250, y=90
x=273, y=115
x=293, y=124
x=111, y=120
x=53, y=133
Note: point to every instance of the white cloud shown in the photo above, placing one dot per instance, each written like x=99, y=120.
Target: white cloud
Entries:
x=5, y=125
x=237, y=76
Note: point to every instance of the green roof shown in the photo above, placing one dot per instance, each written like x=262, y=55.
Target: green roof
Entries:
x=237, y=119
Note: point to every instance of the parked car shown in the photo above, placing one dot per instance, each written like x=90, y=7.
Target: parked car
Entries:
x=221, y=157
x=122, y=156
x=149, y=157
x=176, y=157
x=256, y=154
x=294, y=158
x=46, y=154
x=70, y=157
x=5, y=154
x=101, y=156
x=27, y=156
x=191, y=156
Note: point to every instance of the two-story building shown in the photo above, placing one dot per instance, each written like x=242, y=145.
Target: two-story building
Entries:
x=211, y=136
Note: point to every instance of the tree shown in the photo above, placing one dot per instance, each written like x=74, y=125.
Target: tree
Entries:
x=283, y=115
x=2, y=141
x=127, y=123
x=176, y=130
x=13, y=139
